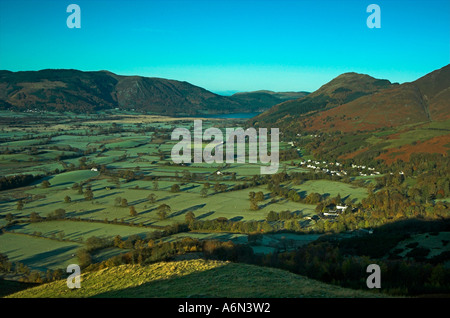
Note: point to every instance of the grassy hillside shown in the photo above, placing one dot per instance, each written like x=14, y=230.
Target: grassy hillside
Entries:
x=192, y=278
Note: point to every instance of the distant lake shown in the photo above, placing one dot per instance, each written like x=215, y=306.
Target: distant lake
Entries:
x=232, y=115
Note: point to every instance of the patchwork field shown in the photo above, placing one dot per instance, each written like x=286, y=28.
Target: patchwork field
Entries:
x=38, y=253
x=100, y=177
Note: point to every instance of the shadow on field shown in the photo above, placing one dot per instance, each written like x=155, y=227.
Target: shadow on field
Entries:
x=12, y=251
x=4, y=206
x=190, y=188
x=16, y=226
x=46, y=204
x=49, y=258
x=262, y=206
x=147, y=211
x=303, y=194
x=225, y=237
x=204, y=215
x=179, y=286
x=106, y=195
x=62, y=184
x=76, y=214
x=167, y=198
x=72, y=235
x=138, y=201
x=192, y=208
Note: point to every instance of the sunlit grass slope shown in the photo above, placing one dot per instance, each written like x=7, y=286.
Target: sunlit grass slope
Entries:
x=192, y=278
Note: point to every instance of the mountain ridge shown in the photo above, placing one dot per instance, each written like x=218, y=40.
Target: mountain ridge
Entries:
x=344, y=88
x=91, y=91
x=353, y=101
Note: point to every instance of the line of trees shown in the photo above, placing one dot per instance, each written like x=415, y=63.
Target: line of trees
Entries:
x=147, y=251
x=26, y=274
x=16, y=181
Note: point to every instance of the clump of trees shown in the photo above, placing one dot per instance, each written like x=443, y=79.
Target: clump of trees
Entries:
x=122, y=202
x=35, y=217
x=45, y=184
x=146, y=251
x=163, y=210
x=175, y=188
x=225, y=225
x=26, y=274
x=152, y=198
x=88, y=194
x=92, y=244
x=254, y=199
x=16, y=181
x=19, y=205
x=273, y=216
x=133, y=211
x=57, y=214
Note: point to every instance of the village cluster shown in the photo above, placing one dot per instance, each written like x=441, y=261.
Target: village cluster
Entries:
x=327, y=167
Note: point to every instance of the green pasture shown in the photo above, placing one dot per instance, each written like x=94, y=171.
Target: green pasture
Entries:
x=38, y=253
x=67, y=179
x=16, y=157
x=21, y=143
x=78, y=231
x=332, y=188
x=233, y=205
x=127, y=142
x=220, y=236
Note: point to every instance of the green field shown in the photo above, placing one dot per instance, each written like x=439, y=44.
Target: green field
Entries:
x=78, y=230
x=332, y=189
x=38, y=253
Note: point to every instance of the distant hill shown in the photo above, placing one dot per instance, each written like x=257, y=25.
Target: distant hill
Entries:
x=358, y=102
x=78, y=91
x=265, y=99
x=181, y=279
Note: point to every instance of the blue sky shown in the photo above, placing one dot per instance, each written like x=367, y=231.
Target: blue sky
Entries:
x=229, y=45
